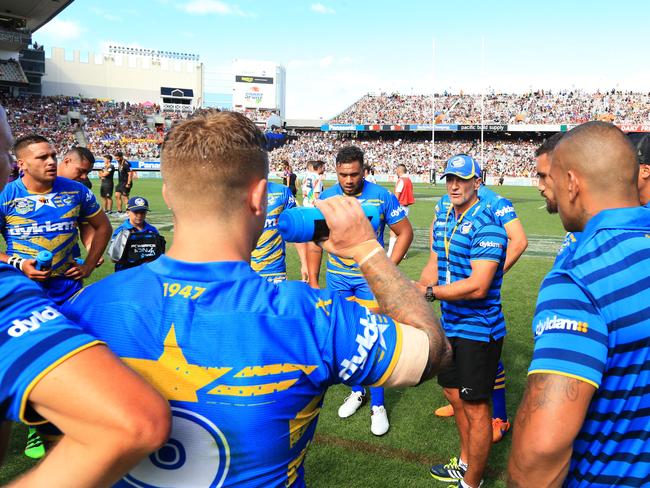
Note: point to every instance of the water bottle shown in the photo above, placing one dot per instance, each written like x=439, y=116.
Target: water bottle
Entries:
x=43, y=260
x=304, y=224
x=79, y=260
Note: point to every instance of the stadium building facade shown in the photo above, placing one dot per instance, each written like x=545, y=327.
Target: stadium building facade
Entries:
x=125, y=76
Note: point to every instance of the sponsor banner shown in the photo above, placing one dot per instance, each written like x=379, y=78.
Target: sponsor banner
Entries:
x=634, y=127
x=387, y=128
x=265, y=80
x=135, y=165
x=254, y=84
x=568, y=127
x=491, y=127
x=535, y=128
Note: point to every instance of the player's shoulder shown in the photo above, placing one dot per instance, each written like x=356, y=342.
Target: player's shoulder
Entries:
x=371, y=189
x=15, y=285
x=331, y=191
x=274, y=187
x=12, y=190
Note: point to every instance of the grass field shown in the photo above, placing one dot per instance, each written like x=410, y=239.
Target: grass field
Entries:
x=344, y=452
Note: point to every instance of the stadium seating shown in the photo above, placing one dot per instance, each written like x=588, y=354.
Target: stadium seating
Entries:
x=539, y=107
x=11, y=72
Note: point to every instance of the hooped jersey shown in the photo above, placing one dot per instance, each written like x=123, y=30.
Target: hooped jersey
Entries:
x=244, y=364
x=34, y=222
x=390, y=212
x=457, y=241
x=591, y=323
x=34, y=338
x=269, y=257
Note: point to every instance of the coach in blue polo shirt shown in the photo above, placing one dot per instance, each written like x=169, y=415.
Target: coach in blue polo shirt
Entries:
x=464, y=272
x=585, y=415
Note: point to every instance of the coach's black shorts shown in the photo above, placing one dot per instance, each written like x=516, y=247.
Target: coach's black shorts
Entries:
x=106, y=191
x=473, y=368
x=124, y=190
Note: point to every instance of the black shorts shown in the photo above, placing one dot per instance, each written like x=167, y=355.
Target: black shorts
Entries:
x=473, y=368
x=124, y=190
x=106, y=191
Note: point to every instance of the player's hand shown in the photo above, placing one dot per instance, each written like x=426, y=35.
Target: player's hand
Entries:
x=304, y=274
x=29, y=268
x=348, y=225
x=78, y=271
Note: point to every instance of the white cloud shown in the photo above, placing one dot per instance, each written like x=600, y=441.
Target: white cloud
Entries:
x=62, y=29
x=326, y=61
x=319, y=8
x=200, y=7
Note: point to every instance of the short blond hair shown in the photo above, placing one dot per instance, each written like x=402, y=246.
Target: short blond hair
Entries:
x=211, y=158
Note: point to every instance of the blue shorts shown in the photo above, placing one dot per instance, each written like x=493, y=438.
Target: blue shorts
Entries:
x=351, y=288
x=59, y=289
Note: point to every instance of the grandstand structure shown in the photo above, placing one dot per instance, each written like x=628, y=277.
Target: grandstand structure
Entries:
x=22, y=64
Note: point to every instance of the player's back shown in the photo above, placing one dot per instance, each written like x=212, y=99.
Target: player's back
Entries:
x=244, y=363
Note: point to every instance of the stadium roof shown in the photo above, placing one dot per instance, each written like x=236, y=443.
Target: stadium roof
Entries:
x=37, y=12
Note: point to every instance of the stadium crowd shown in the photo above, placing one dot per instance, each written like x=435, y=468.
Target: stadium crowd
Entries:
x=107, y=126
x=538, y=107
x=507, y=158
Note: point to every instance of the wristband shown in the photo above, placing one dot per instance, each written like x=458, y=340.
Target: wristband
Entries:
x=16, y=262
x=363, y=251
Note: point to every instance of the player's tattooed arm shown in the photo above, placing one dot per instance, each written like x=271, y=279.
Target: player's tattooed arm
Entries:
x=400, y=299
x=549, y=418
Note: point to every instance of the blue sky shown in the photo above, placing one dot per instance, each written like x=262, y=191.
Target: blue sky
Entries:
x=337, y=50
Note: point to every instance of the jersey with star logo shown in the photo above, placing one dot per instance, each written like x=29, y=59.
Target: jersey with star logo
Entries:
x=34, y=222
x=244, y=364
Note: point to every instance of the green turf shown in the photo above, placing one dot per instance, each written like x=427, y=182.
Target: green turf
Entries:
x=345, y=453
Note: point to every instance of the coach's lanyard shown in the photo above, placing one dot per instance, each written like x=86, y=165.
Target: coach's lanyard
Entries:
x=447, y=242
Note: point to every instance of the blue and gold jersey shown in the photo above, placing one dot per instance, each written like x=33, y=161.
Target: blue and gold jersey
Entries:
x=268, y=258
x=591, y=323
x=457, y=241
x=33, y=222
x=34, y=338
x=390, y=212
x=244, y=364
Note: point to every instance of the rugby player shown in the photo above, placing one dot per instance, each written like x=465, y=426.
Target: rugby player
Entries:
x=465, y=272
x=124, y=181
x=405, y=197
x=269, y=256
x=51, y=369
x=245, y=363
x=77, y=165
x=312, y=183
x=344, y=276
x=106, y=187
x=506, y=217
x=584, y=417
x=40, y=211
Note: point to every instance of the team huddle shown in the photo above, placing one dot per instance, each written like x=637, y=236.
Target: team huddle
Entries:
x=213, y=372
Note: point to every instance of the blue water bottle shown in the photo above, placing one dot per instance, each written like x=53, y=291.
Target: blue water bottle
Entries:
x=43, y=260
x=304, y=224
x=79, y=260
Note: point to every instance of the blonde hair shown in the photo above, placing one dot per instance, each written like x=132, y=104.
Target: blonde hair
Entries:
x=211, y=158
